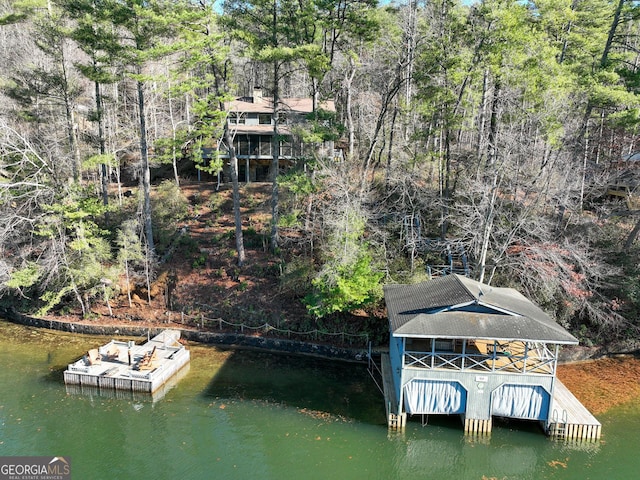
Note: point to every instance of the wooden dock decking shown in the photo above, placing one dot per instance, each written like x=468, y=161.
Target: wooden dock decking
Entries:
x=569, y=419
x=127, y=366
x=395, y=419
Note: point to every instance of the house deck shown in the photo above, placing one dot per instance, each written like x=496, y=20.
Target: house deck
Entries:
x=127, y=366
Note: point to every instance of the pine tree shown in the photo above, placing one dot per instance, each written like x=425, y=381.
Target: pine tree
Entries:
x=94, y=32
x=146, y=29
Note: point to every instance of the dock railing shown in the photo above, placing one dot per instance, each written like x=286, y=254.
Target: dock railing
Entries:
x=374, y=370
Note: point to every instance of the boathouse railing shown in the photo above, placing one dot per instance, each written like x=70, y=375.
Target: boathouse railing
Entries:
x=539, y=360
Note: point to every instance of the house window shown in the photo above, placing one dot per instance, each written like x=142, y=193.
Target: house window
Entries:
x=264, y=119
x=236, y=118
x=286, y=148
x=265, y=145
x=242, y=147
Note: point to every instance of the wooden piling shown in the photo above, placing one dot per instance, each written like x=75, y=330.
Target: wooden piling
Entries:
x=477, y=426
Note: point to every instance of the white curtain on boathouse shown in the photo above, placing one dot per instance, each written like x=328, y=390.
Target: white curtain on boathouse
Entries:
x=432, y=396
x=520, y=401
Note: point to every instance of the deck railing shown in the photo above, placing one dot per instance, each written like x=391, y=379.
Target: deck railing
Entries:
x=539, y=361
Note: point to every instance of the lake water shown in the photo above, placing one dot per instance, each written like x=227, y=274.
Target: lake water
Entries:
x=243, y=414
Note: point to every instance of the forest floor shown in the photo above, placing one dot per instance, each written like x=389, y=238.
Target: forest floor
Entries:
x=200, y=277
x=604, y=383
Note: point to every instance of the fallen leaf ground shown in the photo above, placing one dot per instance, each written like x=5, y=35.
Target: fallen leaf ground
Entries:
x=603, y=384
x=201, y=278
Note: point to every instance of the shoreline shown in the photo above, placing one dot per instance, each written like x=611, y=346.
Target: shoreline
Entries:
x=600, y=379
x=222, y=339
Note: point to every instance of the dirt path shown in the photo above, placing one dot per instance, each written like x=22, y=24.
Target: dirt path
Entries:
x=603, y=384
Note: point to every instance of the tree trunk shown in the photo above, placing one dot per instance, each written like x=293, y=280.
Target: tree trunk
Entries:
x=388, y=97
x=632, y=237
x=73, y=142
x=487, y=228
x=445, y=146
x=567, y=31
x=315, y=94
x=174, y=127
x=103, y=167
x=275, y=164
x=482, y=116
x=612, y=32
x=145, y=174
x=492, y=147
x=348, y=81
x=71, y=128
x=390, y=149
x=233, y=160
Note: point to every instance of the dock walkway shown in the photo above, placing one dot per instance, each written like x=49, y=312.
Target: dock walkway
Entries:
x=569, y=418
x=395, y=418
x=127, y=366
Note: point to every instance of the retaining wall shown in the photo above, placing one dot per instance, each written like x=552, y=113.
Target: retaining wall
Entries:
x=205, y=337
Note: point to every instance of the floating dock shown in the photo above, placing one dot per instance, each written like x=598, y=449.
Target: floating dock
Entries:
x=129, y=367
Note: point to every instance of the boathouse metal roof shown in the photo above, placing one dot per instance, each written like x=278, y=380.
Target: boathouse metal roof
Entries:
x=455, y=306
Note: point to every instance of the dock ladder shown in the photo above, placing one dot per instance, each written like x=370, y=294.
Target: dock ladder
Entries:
x=559, y=429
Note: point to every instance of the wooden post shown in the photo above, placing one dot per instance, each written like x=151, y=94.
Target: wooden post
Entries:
x=477, y=426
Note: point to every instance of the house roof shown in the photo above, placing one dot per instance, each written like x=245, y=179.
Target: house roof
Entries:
x=455, y=306
x=265, y=105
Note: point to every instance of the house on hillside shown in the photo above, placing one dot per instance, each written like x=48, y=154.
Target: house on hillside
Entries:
x=251, y=121
x=460, y=347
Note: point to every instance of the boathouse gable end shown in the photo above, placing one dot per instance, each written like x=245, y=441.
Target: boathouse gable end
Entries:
x=482, y=326
x=458, y=346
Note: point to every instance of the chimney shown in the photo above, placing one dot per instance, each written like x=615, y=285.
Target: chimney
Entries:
x=257, y=94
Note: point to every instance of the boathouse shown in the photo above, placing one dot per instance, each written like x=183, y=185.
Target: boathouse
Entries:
x=460, y=347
